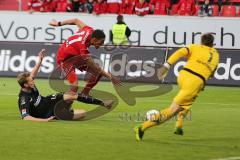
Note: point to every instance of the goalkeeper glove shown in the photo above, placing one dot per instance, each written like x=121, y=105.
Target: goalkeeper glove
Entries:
x=162, y=71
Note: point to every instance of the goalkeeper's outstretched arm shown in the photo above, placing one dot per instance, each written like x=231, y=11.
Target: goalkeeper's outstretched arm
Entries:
x=182, y=52
x=162, y=72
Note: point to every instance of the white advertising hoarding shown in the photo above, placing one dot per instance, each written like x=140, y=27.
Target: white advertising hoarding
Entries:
x=171, y=31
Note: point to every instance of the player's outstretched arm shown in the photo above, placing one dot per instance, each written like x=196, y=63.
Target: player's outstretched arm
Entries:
x=182, y=52
x=163, y=71
x=37, y=66
x=30, y=118
x=74, y=21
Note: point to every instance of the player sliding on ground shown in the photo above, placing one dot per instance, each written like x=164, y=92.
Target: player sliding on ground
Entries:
x=202, y=61
x=76, y=48
x=35, y=107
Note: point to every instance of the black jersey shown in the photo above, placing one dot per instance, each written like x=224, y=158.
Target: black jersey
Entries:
x=33, y=104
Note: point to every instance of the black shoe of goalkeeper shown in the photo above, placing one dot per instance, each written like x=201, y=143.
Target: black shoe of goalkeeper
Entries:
x=179, y=131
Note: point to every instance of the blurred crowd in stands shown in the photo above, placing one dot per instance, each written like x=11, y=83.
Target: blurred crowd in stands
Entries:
x=139, y=7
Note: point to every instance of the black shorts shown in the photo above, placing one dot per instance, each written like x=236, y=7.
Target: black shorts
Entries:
x=53, y=99
x=47, y=104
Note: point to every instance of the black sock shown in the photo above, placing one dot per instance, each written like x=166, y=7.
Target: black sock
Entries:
x=88, y=99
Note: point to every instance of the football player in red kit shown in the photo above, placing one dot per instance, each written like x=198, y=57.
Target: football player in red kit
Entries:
x=77, y=46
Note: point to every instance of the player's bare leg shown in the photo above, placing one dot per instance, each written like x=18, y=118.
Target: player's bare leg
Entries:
x=73, y=90
x=63, y=109
x=79, y=114
x=73, y=87
x=92, y=81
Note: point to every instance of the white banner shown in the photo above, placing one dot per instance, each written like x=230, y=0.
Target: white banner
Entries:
x=171, y=31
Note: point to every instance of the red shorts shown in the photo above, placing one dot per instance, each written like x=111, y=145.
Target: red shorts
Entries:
x=72, y=77
x=68, y=67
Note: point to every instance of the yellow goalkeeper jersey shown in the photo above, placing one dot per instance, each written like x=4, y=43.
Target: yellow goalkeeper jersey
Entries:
x=200, y=59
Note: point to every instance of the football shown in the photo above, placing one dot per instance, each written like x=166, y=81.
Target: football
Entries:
x=151, y=115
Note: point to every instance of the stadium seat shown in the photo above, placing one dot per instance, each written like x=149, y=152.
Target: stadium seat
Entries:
x=9, y=5
x=228, y=11
x=61, y=6
x=215, y=10
x=234, y=1
x=24, y=5
x=216, y=1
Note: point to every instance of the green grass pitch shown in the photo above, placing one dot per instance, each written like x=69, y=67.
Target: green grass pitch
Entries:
x=213, y=132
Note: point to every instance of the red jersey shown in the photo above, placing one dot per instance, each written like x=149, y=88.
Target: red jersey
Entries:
x=128, y=6
x=142, y=9
x=62, y=6
x=186, y=7
x=36, y=5
x=100, y=7
x=114, y=6
x=160, y=6
x=49, y=6
x=76, y=44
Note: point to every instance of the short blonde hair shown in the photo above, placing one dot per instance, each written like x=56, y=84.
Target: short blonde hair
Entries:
x=22, y=78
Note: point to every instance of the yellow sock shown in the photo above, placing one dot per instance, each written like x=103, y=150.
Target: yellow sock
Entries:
x=181, y=116
x=148, y=124
x=164, y=115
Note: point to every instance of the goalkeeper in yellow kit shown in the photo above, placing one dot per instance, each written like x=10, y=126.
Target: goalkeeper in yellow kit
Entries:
x=202, y=61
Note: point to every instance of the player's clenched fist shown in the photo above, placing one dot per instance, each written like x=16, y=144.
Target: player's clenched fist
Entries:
x=53, y=23
x=41, y=54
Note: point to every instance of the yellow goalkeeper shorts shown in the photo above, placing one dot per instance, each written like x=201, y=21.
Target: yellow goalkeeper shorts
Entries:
x=190, y=85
